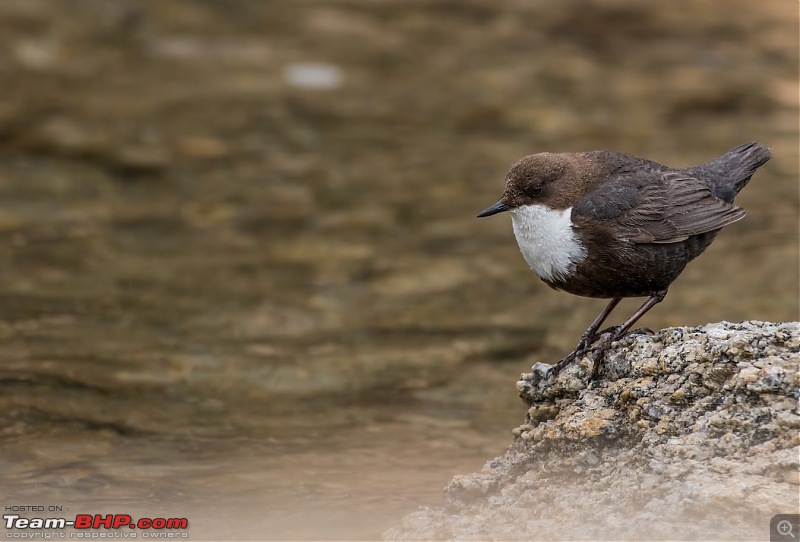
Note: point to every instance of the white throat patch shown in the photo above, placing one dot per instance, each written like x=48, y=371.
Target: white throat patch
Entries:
x=547, y=240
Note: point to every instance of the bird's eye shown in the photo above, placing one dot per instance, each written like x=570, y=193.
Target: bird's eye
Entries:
x=536, y=191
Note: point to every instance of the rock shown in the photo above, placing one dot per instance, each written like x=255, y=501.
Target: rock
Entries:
x=691, y=433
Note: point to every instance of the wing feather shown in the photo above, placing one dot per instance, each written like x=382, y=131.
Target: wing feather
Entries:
x=664, y=207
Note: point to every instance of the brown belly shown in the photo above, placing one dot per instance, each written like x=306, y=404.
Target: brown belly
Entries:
x=629, y=270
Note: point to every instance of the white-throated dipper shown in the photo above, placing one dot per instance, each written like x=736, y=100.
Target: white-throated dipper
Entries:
x=612, y=225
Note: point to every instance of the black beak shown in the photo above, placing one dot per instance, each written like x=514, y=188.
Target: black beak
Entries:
x=498, y=207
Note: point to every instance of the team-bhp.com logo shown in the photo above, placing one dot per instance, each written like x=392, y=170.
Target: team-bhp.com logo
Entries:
x=86, y=524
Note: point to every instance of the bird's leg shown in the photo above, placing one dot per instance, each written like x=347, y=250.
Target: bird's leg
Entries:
x=618, y=332
x=587, y=338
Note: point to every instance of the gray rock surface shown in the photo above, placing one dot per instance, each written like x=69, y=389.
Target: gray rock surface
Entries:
x=690, y=434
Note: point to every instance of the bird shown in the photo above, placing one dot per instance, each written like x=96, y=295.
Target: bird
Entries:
x=611, y=225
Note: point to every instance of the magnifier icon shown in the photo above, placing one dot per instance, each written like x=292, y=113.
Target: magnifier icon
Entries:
x=785, y=528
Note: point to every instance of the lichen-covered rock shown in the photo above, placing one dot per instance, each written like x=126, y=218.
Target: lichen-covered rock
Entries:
x=691, y=433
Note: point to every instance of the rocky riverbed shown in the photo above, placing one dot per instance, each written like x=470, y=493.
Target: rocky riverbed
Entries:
x=691, y=433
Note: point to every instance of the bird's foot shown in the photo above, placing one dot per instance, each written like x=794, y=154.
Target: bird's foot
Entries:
x=599, y=349
x=558, y=367
x=638, y=331
x=603, y=345
x=577, y=354
x=542, y=370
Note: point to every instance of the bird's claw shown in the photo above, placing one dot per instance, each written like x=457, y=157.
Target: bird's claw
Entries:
x=615, y=331
x=543, y=370
x=570, y=358
x=603, y=345
x=612, y=330
x=598, y=347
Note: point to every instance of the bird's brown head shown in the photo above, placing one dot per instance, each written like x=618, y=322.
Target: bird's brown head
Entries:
x=546, y=178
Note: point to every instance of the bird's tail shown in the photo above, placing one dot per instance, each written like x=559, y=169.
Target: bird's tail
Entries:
x=729, y=173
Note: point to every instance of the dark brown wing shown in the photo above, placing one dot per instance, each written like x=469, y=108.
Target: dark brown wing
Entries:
x=663, y=207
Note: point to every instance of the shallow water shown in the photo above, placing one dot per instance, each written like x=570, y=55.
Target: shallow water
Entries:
x=270, y=307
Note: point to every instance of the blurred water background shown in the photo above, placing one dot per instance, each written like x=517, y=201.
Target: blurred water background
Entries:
x=240, y=274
